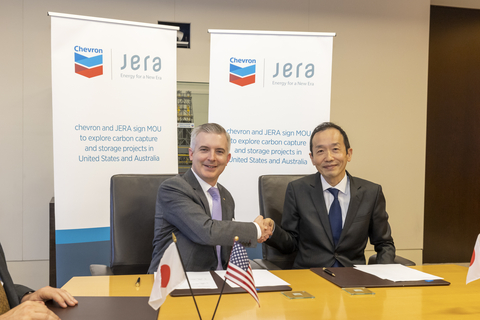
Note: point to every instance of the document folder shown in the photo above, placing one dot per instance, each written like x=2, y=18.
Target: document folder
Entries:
x=105, y=308
x=350, y=277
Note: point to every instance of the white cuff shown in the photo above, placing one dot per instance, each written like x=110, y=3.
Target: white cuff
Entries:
x=259, y=231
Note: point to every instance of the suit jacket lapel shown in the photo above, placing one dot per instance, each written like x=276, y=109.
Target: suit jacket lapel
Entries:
x=189, y=176
x=356, y=195
x=192, y=180
x=316, y=194
x=222, y=201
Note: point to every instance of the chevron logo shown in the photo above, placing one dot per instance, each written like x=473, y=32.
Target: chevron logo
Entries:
x=89, y=67
x=242, y=76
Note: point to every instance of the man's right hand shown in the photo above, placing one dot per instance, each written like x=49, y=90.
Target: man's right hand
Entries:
x=266, y=226
x=30, y=310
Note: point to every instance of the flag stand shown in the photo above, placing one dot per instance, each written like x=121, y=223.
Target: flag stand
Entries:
x=239, y=272
x=188, y=281
x=224, y=281
x=220, y=297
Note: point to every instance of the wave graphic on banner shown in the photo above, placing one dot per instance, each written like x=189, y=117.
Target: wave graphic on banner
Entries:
x=89, y=67
x=242, y=76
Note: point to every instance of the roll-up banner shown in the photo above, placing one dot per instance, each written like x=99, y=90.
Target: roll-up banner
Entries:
x=269, y=90
x=114, y=111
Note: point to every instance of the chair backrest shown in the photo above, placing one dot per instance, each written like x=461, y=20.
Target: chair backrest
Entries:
x=132, y=217
x=271, y=192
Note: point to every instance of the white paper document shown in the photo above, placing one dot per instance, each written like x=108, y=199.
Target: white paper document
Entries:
x=263, y=278
x=198, y=280
x=396, y=272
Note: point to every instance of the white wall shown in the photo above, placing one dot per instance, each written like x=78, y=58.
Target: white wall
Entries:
x=378, y=95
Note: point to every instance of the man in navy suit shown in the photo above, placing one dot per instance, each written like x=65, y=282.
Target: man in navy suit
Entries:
x=306, y=221
x=23, y=302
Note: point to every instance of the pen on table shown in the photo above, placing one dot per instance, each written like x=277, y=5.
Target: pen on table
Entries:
x=329, y=272
x=137, y=284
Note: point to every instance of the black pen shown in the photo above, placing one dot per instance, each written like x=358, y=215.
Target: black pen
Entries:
x=329, y=272
x=137, y=284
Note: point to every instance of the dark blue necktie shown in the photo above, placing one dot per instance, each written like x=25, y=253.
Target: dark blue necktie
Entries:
x=335, y=217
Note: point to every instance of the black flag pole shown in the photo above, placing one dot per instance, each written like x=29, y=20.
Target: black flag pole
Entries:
x=225, y=281
x=188, y=281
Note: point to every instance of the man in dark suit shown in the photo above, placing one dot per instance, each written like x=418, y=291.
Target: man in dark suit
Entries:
x=329, y=216
x=185, y=207
x=23, y=302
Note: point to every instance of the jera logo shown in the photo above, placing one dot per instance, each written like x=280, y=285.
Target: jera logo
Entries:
x=135, y=64
x=88, y=66
x=308, y=70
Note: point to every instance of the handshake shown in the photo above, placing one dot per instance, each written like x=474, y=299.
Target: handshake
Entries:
x=266, y=226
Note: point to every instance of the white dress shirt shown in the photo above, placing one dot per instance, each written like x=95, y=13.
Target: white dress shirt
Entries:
x=205, y=187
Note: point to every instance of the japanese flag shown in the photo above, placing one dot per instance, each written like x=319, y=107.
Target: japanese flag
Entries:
x=474, y=270
x=169, y=275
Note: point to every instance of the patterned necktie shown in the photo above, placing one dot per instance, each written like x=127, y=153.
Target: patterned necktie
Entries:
x=217, y=215
x=4, y=306
x=335, y=217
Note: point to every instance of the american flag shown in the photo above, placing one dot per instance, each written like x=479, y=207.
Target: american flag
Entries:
x=240, y=272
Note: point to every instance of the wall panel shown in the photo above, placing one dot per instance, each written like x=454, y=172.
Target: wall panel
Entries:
x=452, y=201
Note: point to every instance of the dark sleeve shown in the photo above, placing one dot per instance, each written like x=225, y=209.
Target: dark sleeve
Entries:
x=15, y=292
x=380, y=233
x=21, y=291
x=285, y=237
x=189, y=216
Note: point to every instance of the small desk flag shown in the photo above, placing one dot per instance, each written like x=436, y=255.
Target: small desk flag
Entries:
x=240, y=272
x=474, y=269
x=169, y=275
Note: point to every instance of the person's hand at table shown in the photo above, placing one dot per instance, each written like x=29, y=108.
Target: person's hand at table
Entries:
x=60, y=296
x=30, y=310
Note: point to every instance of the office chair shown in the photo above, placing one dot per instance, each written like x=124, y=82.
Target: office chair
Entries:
x=132, y=217
x=271, y=194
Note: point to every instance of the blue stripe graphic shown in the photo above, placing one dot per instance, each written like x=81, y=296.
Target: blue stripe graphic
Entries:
x=88, y=62
x=242, y=72
x=82, y=235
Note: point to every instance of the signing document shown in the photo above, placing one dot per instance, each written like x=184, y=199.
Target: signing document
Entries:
x=204, y=280
x=262, y=278
x=396, y=272
x=198, y=280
